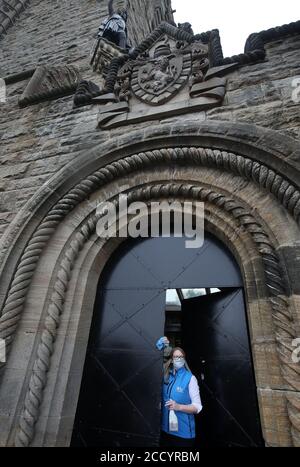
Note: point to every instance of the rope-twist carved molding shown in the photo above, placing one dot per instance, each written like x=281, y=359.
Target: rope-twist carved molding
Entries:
x=286, y=193
x=281, y=314
x=45, y=349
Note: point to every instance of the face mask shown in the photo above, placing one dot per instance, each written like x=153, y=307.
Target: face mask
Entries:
x=178, y=363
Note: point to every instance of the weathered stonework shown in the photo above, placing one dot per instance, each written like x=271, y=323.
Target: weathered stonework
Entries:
x=9, y=12
x=242, y=158
x=50, y=83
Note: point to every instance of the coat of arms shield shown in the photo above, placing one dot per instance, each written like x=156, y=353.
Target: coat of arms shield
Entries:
x=157, y=80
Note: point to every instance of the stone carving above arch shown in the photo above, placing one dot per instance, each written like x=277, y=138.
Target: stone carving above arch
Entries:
x=169, y=65
x=158, y=78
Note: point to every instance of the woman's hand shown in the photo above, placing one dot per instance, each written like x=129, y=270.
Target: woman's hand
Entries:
x=186, y=408
x=166, y=340
x=172, y=405
x=162, y=343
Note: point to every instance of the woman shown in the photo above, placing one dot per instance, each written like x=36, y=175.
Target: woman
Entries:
x=180, y=393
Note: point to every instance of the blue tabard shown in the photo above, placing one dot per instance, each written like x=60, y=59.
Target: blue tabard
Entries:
x=178, y=390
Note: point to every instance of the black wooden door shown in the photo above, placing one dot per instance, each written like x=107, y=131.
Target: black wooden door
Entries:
x=119, y=402
x=215, y=337
x=120, y=392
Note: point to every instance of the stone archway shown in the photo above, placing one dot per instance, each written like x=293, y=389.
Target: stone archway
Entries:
x=59, y=228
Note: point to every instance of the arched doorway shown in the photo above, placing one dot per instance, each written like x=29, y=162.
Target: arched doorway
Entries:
x=247, y=179
x=119, y=402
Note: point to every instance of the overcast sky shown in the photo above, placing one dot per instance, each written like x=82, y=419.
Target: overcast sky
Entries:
x=236, y=20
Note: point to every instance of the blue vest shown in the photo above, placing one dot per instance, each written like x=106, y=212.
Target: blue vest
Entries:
x=178, y=390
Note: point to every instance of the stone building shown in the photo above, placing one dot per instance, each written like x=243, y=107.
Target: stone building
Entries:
x=173, y=120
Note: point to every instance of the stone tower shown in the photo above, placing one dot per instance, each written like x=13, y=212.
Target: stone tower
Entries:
x=83, y=120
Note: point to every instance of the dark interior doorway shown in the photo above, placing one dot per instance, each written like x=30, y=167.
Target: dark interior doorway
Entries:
x=119, y=401
x=210, y=325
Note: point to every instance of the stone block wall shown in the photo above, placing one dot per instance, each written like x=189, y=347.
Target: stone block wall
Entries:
x=37, y=141
x=63, y=31
x=262, y=93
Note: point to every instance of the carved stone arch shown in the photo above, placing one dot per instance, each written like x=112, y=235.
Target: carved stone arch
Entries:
x=72, y=249
x=56, y=201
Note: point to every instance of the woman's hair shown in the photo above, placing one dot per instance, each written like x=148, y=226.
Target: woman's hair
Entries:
x=168, y=366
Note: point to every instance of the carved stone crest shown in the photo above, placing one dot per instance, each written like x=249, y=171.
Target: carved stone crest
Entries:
x=200, y=63
x=157, y=78
x=158, y=74
x=170, y=66
x=122, y=87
